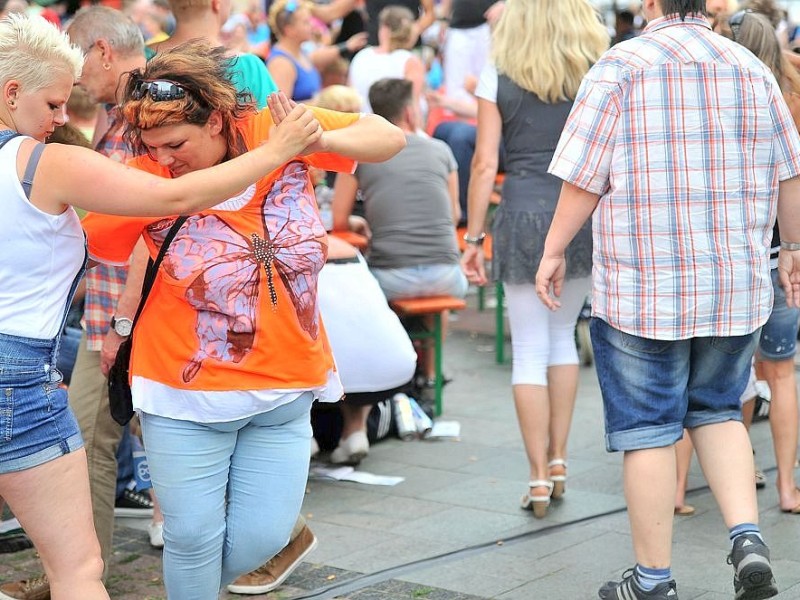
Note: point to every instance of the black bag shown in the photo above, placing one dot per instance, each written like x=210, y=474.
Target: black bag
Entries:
x=120, y=400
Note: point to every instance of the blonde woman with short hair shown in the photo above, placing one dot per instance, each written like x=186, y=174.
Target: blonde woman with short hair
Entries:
x=541, y=50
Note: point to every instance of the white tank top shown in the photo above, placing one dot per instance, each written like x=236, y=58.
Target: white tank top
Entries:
x=41, y=255
x=368, y=66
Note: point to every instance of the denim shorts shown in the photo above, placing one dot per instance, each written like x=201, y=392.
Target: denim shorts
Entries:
x=779, y=334
x=652, y=389
x=36, y=423
x=422, y=281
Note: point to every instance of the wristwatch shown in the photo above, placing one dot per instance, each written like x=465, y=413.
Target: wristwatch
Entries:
x=122, y=325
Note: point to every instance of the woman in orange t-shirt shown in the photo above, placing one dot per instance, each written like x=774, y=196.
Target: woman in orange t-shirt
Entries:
x=229, y=351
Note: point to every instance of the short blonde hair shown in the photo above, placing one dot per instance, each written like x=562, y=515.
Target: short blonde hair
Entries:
x=547, y=47
x=35, y=53
x=339, y=97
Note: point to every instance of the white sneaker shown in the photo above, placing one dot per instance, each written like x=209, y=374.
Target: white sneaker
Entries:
x=156, y=532
x=314, y=447
x=351, y=450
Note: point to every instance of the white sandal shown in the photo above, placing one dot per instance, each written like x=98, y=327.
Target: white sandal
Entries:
x=559, y=481
x=538, y=504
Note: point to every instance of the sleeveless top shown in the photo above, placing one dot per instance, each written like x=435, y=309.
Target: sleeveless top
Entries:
x=368, y=66
x=531, y=130
x=308, y=81
x=43, y=254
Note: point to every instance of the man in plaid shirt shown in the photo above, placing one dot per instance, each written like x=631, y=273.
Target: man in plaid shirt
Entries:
x=681, y=147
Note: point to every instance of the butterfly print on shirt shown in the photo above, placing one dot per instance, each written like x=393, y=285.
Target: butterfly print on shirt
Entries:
x=227, y=266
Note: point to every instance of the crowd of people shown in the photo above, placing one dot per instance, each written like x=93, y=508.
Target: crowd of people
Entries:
x=651, y=167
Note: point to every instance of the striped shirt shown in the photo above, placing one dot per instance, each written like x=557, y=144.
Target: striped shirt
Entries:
x=104, y=283
x=684, y=135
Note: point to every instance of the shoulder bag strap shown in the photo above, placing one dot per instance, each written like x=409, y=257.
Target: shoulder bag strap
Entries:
x=152, y=266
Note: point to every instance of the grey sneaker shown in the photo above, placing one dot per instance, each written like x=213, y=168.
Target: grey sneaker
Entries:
x=752, y=573
x=628, y=589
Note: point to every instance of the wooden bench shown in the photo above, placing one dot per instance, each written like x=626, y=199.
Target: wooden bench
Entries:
x=434, y=307
x=351, y=237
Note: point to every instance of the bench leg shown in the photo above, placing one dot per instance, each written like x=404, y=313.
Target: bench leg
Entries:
x=499, y=326
x=481, y=298
x=437, y=362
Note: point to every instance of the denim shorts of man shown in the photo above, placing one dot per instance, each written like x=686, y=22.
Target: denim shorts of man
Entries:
x=675, y=146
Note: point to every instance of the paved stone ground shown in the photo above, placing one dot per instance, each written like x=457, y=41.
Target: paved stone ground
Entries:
x=453, y=530
x=135, y=574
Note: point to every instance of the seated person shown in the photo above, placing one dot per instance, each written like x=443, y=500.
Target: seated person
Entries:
x=411, y=208
x=410, y=204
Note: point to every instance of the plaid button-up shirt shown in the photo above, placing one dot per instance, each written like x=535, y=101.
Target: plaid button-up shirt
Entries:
x=685, y=136
x=104, y=283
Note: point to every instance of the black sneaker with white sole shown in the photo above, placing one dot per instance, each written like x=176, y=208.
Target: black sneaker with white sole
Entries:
x=629, y=589
x=752, y=573
x=133, y=504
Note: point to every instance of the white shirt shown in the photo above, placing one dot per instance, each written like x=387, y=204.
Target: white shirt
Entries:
x=369, y=66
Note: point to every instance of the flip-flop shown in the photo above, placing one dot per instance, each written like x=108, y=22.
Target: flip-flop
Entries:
x=687, y=510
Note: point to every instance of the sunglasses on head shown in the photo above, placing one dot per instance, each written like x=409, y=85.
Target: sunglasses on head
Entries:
x=735, y=22
x=160, y=90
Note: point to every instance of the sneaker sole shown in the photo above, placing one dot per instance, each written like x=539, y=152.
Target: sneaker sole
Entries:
x=757, y=583
x=134, y=513
x=263, y=589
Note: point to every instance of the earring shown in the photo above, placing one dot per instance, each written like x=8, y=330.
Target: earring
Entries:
x=11, y=103
x=107, y=66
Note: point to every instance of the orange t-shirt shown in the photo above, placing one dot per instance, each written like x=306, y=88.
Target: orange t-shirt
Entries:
x=234, y=305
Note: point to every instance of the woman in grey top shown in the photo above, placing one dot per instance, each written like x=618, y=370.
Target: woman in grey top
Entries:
x=541, y=50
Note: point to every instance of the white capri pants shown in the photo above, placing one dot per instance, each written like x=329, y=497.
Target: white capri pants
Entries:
x=541, y=338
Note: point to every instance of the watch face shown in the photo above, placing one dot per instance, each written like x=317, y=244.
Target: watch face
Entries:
x=123, y=327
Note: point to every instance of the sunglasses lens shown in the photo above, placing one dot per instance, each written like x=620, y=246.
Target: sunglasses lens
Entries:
x=159, y=91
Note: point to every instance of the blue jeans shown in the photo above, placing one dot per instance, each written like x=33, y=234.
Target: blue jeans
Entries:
x=461, y=138
x=124, y=461
x=230, y=493
x=779, y=334
x=422, y=281
x=653, y=389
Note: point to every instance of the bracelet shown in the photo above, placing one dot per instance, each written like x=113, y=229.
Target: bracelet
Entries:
x=474, y=241
x=789, y=245
x=342, y=48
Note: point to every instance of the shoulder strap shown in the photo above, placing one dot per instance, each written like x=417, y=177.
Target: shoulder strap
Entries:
x=30, y=170
x=152, y=266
